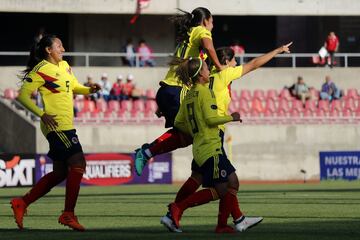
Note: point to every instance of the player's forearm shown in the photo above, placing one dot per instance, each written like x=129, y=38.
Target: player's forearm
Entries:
x=82, y=90
x=218, y=120
x=260, y=61
x=209, y=47
x=25, y=99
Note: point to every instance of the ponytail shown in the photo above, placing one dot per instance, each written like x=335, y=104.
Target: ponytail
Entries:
x=184, y=22
x=38, y=53
x=187, y=70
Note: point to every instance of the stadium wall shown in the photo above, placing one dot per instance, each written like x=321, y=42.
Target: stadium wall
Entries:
x=17, y=133
x=264, y=78
x=228, y=7
x=259, y=152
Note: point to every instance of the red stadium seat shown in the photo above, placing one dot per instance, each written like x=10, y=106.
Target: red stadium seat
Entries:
x=321, y=112
x=257, y=105
x=315, y=94
x=349, y=104
x=233, y=107
x=150, y=105
x=101, y=105
x=10, y=93
x=352, y=93
x=295, y=113
x=259, y=94
x=281, y=113
x=310, y=105
x=89, y=106
x=323, y=105
x=272, y=94
x=297, y=105
x=114, y=106
x=108, y=114
x=270, y=106
x=347, y=113
x=125, y=105
x=283, y=105
x=285, y=94
x=245, y=94
x=334, y=113
x=308, y=113
x=234, y=95
x=244, y=106
x=336, y=105
x=268, y=113
x=150, y=94
x=138, y=105
x=94, y=115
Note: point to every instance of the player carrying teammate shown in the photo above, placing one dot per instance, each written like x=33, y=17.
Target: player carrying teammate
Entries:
x=194, y=39
x=54, y=79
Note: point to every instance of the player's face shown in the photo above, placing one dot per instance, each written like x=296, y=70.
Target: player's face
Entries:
x=56, y=50
x=204, y=72
x=208, y=24
x=231, y=63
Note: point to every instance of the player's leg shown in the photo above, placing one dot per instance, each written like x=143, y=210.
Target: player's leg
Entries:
x=45, y=184
x=168, y=100
x=76, y=167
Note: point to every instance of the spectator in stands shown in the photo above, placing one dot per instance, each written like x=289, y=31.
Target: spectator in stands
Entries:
x=117, y=89
x=90, y=82
x=130, y=53
x=128, y=87
x=301, y=90
x=332, y=45
x=329, y=90
x=105, y=87
x=145, y=54
x=239, y=50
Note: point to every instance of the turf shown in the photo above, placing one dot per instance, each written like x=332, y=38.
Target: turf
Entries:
x=329, y=210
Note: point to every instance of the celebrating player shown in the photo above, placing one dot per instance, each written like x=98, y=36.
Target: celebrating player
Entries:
x=193, y=36
x=219, y=83
x=53, y=78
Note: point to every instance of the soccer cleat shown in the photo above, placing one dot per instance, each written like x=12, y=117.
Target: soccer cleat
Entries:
x=224, y=229
x=140, y=159
x=244, y=223
x=19, y=210
x=169, y=224
x=70, y=220
x=175, y=214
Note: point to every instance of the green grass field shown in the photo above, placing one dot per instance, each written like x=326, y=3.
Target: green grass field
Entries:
x=330, y=210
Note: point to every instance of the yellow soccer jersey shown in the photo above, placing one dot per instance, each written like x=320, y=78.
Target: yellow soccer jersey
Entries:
x=220, y=84
x=56, y=85
x=186, y=50
x=198, y=117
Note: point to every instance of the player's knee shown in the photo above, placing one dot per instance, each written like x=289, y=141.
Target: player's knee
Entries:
x=233, y=182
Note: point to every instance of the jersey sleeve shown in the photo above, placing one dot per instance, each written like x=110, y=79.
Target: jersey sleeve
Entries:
x=233, y=73
x=180, y=120
x=201, y=32
x=210, y=109
x=31, y=83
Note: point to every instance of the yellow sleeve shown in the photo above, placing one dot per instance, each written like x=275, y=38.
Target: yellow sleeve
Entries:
x=180, y=120
x=210, y=109
x=79, y=88
x=233, y=73
x=204, y=33
x=31, y=84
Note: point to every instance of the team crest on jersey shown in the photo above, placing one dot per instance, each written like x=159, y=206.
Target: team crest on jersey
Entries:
x=213, y=107
x=75, y=140
x=223, y=173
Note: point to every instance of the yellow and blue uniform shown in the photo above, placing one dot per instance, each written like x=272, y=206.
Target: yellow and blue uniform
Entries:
x=56, y=84
x=172, y=91
x=198, y=116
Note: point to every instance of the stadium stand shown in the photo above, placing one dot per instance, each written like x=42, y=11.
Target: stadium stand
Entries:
x=261, y=106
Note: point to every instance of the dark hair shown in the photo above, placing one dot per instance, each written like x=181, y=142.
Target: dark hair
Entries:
x=183, y=22
x=38, y=53
x=225, y=53
x=187, y=70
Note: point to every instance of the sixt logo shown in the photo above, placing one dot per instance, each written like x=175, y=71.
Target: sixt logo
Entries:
x=16, y=173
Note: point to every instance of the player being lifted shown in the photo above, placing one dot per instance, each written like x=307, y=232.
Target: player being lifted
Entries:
x=47, y=73
x=194, y=39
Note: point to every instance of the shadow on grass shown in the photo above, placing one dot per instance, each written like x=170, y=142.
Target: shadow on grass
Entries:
x=319, y=230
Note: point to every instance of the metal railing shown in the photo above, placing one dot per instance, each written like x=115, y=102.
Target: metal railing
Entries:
x=343, y=59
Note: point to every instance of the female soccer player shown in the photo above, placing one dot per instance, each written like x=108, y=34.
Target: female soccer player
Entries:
x=198, y=116
x=193, y=37
x=54, y=79
x=219, y=83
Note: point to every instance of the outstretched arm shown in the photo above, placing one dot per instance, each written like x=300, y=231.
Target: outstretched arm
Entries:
x=259, y=61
